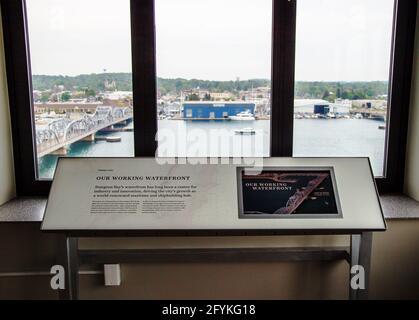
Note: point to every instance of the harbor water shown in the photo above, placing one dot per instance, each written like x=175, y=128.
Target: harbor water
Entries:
x=312, y=137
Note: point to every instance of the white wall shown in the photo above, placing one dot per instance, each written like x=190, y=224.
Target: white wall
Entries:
x=412, y=156
x=7, y=182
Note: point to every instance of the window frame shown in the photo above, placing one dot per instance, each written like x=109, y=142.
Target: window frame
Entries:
x=143, y=44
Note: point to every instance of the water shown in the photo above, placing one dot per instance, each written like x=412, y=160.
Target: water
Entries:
x=125, y=148
x=340, y=138
x=213, y=138
x=312, y=137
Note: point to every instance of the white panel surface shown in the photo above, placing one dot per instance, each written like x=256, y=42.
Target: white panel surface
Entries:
x=72, y=204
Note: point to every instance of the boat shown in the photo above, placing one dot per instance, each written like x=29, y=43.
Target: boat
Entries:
x=245, y=131
x=113, y=139
x=243, y=116
x=378, y=117
x=383, y=127
x=331, y=115
x=359, y=116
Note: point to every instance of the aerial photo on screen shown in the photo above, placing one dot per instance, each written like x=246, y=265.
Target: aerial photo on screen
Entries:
x=287, y=193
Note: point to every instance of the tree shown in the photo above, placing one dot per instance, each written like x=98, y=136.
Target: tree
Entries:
x=338, y=93
x=346, y=95
x=90, y=93
x=193, y=97
x=207, y=97
x=45, y=96
x=66, y=96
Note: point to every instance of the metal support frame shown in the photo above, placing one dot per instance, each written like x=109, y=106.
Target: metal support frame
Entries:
x=359, y=253
x=71, y=265
x=361, y=246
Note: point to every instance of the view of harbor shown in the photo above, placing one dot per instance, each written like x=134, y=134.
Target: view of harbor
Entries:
x=340, y=130
x=205, y=119
x=213, y=94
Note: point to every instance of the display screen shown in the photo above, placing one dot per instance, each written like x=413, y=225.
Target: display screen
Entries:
x=288, y=193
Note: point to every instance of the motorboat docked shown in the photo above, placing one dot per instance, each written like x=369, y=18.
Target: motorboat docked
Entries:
x=243, y=116
x=245, y=131
x=113, y=139
x=331, y=115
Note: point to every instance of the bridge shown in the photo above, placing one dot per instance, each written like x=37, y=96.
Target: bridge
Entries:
x=64, y=131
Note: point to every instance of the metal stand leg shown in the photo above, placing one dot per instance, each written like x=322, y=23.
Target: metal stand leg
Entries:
x=71, y=266
x=361, y=245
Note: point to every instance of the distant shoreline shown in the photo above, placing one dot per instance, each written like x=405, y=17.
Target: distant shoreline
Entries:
x=353, y=90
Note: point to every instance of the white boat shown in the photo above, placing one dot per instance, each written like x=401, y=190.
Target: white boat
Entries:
x=331, y=115
x=243, y=116
x=245, y=131
x=113, y=139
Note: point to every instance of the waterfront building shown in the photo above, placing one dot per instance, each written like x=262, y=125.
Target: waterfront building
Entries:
x=321, y=109
x=219, y=96
x=65, y=107
x=214, y=110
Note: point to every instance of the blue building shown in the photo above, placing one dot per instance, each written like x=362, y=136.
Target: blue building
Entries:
x=215, y=110
x=321, y=109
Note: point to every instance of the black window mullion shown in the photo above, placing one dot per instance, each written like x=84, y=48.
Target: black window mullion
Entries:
x=399, y=95
x=19, y=80
x=144, y=77
x=283, y=74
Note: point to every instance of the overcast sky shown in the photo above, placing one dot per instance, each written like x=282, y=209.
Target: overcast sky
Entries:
x=337, y=40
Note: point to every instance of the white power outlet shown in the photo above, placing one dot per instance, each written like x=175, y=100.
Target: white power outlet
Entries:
x=112, y=275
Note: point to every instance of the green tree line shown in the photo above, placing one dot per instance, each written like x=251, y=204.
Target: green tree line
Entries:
x=303, y=90
x=344, y=90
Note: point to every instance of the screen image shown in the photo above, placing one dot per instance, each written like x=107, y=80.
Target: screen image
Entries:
x=288, y=193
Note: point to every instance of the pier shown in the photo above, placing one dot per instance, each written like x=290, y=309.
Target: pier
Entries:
x=62, y=132
x=370, y=113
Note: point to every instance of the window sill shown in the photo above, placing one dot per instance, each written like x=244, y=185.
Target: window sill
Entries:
x=23, y=210
x=399, y=206
x=395, y=206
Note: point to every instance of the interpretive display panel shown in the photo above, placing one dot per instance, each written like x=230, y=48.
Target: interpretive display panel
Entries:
x=277, y=195
x=288, y=193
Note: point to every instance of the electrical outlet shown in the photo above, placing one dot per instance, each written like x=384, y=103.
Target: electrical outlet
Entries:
x=112, y=275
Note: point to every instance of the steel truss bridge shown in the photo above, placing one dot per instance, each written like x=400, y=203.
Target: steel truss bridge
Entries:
x=64, y=131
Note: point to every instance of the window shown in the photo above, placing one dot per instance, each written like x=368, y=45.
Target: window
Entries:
x=213, y=69
x=343, y=51
x=81, y=79
x=196, y=72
